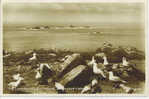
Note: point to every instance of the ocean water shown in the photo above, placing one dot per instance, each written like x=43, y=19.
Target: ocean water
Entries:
x=75, y=40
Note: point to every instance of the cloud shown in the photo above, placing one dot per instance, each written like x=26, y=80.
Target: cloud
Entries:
x=72, y=12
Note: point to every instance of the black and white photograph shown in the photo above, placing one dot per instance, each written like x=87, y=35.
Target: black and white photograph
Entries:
x=78, y=48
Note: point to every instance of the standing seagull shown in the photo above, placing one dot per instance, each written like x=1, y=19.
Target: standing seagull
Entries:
x=127, y=89
x=93, y=87
x=96, y=70
x=34, y=57
x=88, y=87
x=92, y=61
x=15, y=85
x=42, y=65
x=115, y=78
x=94, y=82
x=125, y=62
x=59, y=87
x=105, y=62
x=16, y=77
x=38, y=75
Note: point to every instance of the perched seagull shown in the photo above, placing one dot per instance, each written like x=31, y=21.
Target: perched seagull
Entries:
x=42, y=65
x=125, y=62
x=115, y=78
x=86, y=89
x=105, y=62
x=92, y=87
x=39, y=70
x=97, y=70
x=94, y=82
x=7, y=55
x=14, y=85
x=38, y=75
x=34, y=57
x=95, y=88
x=59, y=87
x=16, y=77
x=127, y=89
x=92, y=61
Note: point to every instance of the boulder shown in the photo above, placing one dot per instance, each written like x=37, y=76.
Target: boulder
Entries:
x=68, y=77
x=71, y=62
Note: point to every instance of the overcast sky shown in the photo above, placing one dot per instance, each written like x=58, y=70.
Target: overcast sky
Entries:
x=73, y=13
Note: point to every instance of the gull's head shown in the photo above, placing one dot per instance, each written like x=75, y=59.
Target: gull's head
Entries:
x=18, y=75
x=21, y=78
x=93, y=59
x=90, y=63
x=34, y=54
x=104, y=57
x=94, y=82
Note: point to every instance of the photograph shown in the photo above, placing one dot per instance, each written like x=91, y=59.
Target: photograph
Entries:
x=74, y=48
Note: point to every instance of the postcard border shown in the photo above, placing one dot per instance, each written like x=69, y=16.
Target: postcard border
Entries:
x=146, y=93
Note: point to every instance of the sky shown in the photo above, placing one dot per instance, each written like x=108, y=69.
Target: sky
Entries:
x=73, y=13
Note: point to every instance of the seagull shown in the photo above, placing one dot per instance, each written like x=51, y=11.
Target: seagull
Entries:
x=7, y=55
x=125, y=62
x=94, y=82
x=86, y=89
x=105, y=62
x=16, y=77
x=38, y=75
x=42, y=65
x=92, y=61
x=95, y=88
x=14, y=85
x=34, y=57
x=39, y=70
x=127, y=89
x=115, y=78
x=96, y=70
x=92, y=87
x=59, y=87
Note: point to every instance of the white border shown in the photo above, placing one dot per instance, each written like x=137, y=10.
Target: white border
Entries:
x=75, y=1
x=1, y=51
x=80, y=1
x=147, y=47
